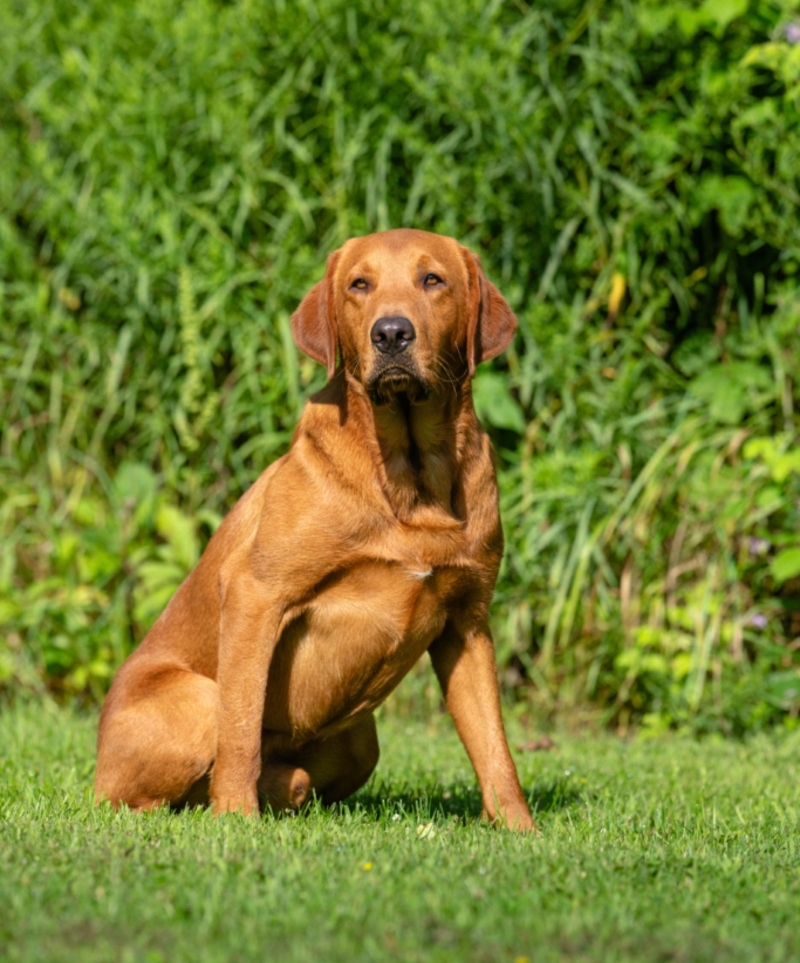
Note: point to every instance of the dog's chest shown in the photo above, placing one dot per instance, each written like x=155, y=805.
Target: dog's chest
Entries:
x=379, y=610
x=355, y=641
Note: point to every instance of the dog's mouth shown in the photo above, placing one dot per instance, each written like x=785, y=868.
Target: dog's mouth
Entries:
x=393, y=380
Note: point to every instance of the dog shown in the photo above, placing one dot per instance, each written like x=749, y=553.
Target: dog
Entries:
x=375, y=538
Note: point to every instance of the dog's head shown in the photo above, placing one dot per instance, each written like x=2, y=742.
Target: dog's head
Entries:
x=407, y=312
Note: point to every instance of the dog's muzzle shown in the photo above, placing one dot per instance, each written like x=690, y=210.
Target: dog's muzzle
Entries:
x=394, y=371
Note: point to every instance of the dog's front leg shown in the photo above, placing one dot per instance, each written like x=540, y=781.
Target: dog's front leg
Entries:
x=249, y=628
x=463, y=659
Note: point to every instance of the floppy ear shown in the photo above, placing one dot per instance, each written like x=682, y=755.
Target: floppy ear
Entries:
x=314, y=322
x=490, y=321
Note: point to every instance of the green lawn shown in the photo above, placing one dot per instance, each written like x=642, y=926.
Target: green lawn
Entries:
x=666, y=850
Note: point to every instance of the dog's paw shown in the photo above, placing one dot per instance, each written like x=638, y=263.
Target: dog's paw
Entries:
x=514, y=817
x=520, y=822
x=230, y=802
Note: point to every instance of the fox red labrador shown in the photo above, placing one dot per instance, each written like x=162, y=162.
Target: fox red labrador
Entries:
x=374, y=539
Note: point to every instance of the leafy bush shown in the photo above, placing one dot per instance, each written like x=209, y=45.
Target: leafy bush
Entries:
x=172, y=177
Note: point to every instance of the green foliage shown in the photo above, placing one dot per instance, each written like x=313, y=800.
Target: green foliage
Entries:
x=91, y=587
x=171, y=179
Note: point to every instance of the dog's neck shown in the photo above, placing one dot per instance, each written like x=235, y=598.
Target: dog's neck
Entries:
x=417, y=453
x=419, y=447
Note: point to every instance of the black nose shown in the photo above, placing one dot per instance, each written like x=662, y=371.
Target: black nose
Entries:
x=392, y=335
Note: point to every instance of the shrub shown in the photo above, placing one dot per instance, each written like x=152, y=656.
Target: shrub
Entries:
x=172, y=178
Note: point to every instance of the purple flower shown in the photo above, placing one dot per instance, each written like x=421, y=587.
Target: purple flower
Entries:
x=792, y=32
x=757, y=620
x=758, y=546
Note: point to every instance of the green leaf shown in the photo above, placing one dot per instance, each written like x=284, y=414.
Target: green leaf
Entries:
x=179, y=531
x=731, y=197
x=714, y=15
x=137, y=484
x=135, y=481
x=785, y=464
x=9, y=610
x=152, y=575
x=786, y=564
x=723, y=12
x=495, y=404
x=784, y=687
x=731, y=389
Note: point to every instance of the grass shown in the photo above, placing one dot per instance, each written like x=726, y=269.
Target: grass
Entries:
x=658, y=850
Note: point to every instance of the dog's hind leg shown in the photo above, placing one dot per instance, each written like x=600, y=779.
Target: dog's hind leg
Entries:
x=157, y=738
x=334, y=767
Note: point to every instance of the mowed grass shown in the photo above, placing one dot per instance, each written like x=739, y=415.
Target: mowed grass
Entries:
x=665, y=850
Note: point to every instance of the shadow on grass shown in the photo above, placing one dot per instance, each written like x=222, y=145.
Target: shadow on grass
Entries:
x=383, y=800
x=386, y=799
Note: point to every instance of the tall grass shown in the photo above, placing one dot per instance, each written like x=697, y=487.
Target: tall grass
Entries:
x=171, y=179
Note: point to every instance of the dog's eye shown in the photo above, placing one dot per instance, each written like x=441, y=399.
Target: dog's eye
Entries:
x=431, y=280
x=360, y=284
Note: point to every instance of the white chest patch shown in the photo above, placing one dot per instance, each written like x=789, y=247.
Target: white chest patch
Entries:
x=422, y=575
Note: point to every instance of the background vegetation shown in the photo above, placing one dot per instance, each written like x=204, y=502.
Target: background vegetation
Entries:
x=172, y=176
